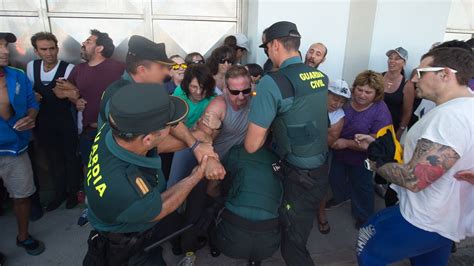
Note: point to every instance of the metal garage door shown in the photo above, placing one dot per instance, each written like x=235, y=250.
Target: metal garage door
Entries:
x=184, y=25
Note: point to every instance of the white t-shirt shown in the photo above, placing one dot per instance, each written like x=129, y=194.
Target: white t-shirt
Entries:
x=46, y=77
x=447, y=205
x=335, y=116
x=424, y=107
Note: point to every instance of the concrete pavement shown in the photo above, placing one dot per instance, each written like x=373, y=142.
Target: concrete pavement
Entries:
x=66, y=242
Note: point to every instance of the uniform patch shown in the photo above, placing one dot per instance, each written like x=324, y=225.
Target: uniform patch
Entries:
x=137, y=181
x=142, y=186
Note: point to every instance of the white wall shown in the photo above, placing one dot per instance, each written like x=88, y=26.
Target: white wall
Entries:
x=413, y=24
x=317, y=21
x=356, y=32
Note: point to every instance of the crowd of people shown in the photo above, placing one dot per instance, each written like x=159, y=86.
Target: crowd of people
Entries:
x=206, y=151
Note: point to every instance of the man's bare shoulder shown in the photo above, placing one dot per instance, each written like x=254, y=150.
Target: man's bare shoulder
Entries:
x=217, y=104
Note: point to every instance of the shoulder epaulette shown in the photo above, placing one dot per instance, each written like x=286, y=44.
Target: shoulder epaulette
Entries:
x=137, y=181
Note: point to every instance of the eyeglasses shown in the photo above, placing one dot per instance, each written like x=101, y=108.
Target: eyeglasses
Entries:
x=226, y=61
x=237, y=92
x=178, y=66
x=419, y=71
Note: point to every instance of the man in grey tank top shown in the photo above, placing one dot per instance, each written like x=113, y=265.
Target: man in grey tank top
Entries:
x=226, y=117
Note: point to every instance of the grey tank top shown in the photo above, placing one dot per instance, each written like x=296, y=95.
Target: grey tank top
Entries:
x=234, y=129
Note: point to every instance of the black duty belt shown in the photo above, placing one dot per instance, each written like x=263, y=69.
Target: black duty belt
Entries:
x=257, y=226
x=126, y=238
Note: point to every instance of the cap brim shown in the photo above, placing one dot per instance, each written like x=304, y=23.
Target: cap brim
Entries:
x=394, y=51
x=166, y=62
x=263, y=45
x=180, y=112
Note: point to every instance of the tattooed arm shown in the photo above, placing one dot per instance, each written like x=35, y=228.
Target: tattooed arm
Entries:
x=429, y=162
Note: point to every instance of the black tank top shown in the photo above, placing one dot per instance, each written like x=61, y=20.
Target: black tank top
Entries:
x=394, y=103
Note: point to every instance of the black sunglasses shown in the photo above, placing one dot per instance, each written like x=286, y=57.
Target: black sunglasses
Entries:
x=237, y=92
x=223, y=61
x=198, y=62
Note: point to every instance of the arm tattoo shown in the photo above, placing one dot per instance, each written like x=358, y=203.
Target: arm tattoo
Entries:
x=429, y=162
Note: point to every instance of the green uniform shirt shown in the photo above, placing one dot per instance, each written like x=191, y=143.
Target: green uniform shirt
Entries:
x=108, y=93
x=268, y=102
x=195, y=109
x=123, y=189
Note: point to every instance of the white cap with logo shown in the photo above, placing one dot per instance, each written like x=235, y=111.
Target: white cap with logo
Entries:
x=340, y=87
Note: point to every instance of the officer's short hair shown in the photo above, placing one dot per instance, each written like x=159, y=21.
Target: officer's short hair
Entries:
x=132, y=63
x=105, y=41
x=43, y=35
x=236, y=71
x=456, y=58
x=373, y=80
x=290, y=43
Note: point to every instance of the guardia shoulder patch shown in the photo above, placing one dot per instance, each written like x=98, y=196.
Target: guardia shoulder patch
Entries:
x=140, y=184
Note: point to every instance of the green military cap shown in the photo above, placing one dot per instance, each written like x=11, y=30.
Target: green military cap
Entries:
x=140, y=108
x=279, y=30
x=145, y=49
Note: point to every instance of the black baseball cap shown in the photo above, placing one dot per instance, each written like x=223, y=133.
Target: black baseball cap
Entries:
x=8, y=36
x=145, y=49
x=278, y=30
x=141, y=108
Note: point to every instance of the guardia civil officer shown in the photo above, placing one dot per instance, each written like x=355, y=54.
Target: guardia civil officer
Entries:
x=128, y=205
x=291, y=103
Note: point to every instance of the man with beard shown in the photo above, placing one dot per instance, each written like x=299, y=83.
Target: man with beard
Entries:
x=91, y=78
x=316, y=55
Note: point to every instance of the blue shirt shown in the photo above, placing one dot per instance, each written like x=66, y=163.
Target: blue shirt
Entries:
x=22, y=98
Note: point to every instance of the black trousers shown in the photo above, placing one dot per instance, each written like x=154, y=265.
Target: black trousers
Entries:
x=297, y=215
x=60, y=142
x=129, y=249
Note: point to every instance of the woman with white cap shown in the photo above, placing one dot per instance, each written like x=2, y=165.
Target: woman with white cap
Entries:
x=339, y=94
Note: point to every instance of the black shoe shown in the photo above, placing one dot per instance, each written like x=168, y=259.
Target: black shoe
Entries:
x=53, y=205
x=215, y=252
x=71, y=201
x=32, y=246
x=254, y=263
x=3, y=258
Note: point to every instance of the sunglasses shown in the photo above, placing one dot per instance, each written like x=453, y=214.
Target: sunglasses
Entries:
x=237, y=92
x=226, y=61
x=178, y=66
x=419, y=71
x=198, y=62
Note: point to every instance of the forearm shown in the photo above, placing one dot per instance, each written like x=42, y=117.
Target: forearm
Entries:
x=182, y=133
x=32, y=112
x=352, y=144
x=406, y=115
x=399, y=174
x=173, y=197
x=172, y=144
